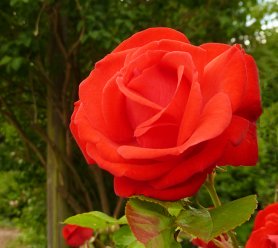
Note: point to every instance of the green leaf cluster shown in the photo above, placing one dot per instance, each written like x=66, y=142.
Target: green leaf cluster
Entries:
x=153, y=223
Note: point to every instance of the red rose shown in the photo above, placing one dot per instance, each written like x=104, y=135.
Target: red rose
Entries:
x=76, y=235
x=201, y=243
x=265, y=231
x=159, y=113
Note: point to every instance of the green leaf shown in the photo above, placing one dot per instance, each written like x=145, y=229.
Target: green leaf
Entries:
x=232, y=214
x=165, y=239
x=5, y=60
x=208, y=224
x=16, y=63
x=136, y=244
x=173, y=208
x=104, y=217
x=197, y=222
x=151, y=224
x=122, y=220
x=124, y=238
x=94, y=220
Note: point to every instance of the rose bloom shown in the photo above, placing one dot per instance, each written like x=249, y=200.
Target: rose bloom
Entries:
x=200, y=243
x=159, y=113
x=265, y=231
x=76, y=235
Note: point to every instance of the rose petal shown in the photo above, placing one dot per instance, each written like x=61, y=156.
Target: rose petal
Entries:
x=215, y=118
x=273, y=239
x=159, y=136
x=171, y=113
x=262, y=215
x=78, y=123
x=105, y=156
x=260, y=237
x=139, y=108
x=162, y=79
x=237, y=130
x=246, y=153
x=151, y=34
x=68, y=229
x=125, y=187
x=226, y=73
x=90, y=90
x=203, y=157
x=76, y=235
x=251, y=107
x=197, y=54
x=191, y=114
x=213, y=50
x=117, y=122
x=257, y=239
x=186, y=73
x=177, y=59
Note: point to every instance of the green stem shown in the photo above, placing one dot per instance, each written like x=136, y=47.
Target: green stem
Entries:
x=276, y=194
x=233, y=238
x=209, y=184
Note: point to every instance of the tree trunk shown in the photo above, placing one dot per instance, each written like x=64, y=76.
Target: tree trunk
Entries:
x=57, y=208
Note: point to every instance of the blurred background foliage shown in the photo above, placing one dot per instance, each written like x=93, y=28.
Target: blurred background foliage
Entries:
x=49, y=46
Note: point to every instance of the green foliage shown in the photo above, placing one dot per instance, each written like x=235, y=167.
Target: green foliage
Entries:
x=266, y=57
x=9, y=195
x=23, y=206
x=124, y=238
x=150, y=223
x=95, y=220
x=208, y=224
x=197, y=222
x=173, y=208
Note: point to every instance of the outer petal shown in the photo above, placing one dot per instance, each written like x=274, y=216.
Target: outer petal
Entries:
x=107, y=158
x=76, y=235
x=265, y=231
x=273, y=239
x=245, y=153
x=226, y=73
x=91, y=89
x=199, y=159
x=205, y=155
x=215, y=118
x=262, y=215
x=125, y=187
x=74, y=127
x=214, y=50
x=264, y=237
x=151, y=34
x=257, y=239
x=251, y=107
x=68, y=230
x=116, y=122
